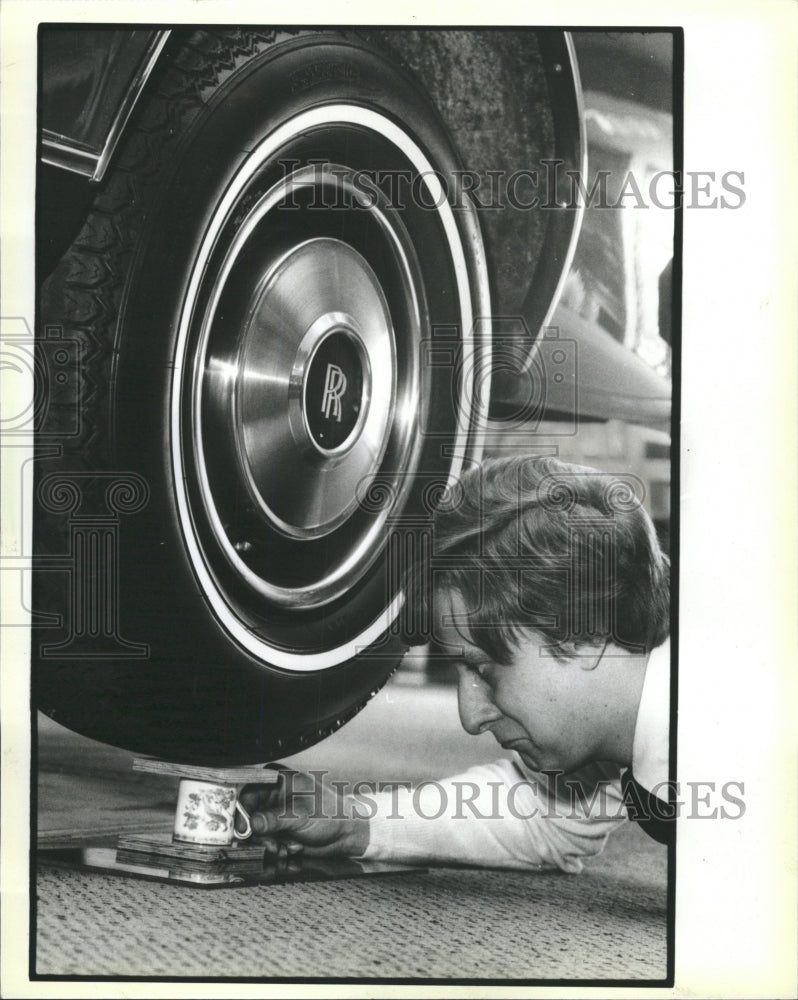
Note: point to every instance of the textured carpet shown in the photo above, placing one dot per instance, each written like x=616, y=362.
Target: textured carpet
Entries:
x=609, y=922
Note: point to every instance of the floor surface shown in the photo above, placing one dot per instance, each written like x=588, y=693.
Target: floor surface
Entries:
x=606, y=923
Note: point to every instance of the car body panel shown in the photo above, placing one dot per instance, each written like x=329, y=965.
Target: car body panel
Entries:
x=91, y=82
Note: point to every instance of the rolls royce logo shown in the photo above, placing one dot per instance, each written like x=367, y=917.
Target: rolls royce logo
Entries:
x=334, y=388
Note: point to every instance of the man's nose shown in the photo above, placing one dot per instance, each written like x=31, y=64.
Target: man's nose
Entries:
x=474, y=703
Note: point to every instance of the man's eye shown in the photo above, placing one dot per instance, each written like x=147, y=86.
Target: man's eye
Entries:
x=483, y=671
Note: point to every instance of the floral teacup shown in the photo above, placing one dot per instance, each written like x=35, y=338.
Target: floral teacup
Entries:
x=206, y=814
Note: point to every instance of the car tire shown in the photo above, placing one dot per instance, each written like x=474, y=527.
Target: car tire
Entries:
x=279, y=364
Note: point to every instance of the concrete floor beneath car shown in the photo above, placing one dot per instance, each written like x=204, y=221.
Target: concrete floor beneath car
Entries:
x=608, y=923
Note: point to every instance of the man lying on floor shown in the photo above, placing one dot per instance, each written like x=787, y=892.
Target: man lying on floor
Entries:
x=549, y=592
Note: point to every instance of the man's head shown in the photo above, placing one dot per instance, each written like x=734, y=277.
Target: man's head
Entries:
x=540, y=571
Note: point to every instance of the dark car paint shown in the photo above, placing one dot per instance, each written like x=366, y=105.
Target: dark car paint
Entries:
x=91, y=79
x=86, y=76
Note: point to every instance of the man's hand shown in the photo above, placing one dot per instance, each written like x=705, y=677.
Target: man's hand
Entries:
x=302, y=814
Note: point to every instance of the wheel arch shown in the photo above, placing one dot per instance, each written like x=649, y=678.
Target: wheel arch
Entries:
x=525, y=257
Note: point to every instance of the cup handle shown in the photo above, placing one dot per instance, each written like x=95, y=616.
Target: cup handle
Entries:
x=248, y=831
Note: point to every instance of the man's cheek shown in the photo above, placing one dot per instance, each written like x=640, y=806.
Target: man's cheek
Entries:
x=516, y=709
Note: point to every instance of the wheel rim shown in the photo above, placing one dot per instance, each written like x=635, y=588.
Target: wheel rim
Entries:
x=297, y=386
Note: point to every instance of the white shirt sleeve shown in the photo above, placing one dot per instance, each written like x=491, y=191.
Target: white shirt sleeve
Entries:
x=498, y=815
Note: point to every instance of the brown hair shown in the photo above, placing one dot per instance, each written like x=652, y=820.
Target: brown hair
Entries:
x=535, y=543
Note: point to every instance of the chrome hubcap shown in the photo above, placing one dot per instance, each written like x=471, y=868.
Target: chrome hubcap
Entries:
x=315, y=387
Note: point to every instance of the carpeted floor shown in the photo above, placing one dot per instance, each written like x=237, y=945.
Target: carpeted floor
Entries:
x=607, y=923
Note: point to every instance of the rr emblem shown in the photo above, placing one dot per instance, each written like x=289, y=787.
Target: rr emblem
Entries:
x=334, y=388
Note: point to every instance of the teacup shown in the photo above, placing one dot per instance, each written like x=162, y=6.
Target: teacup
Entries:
x=206, y=814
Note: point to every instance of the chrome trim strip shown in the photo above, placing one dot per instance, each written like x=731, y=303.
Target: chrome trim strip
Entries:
x=58, y=151
x=580, y=210
x=130, y=100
